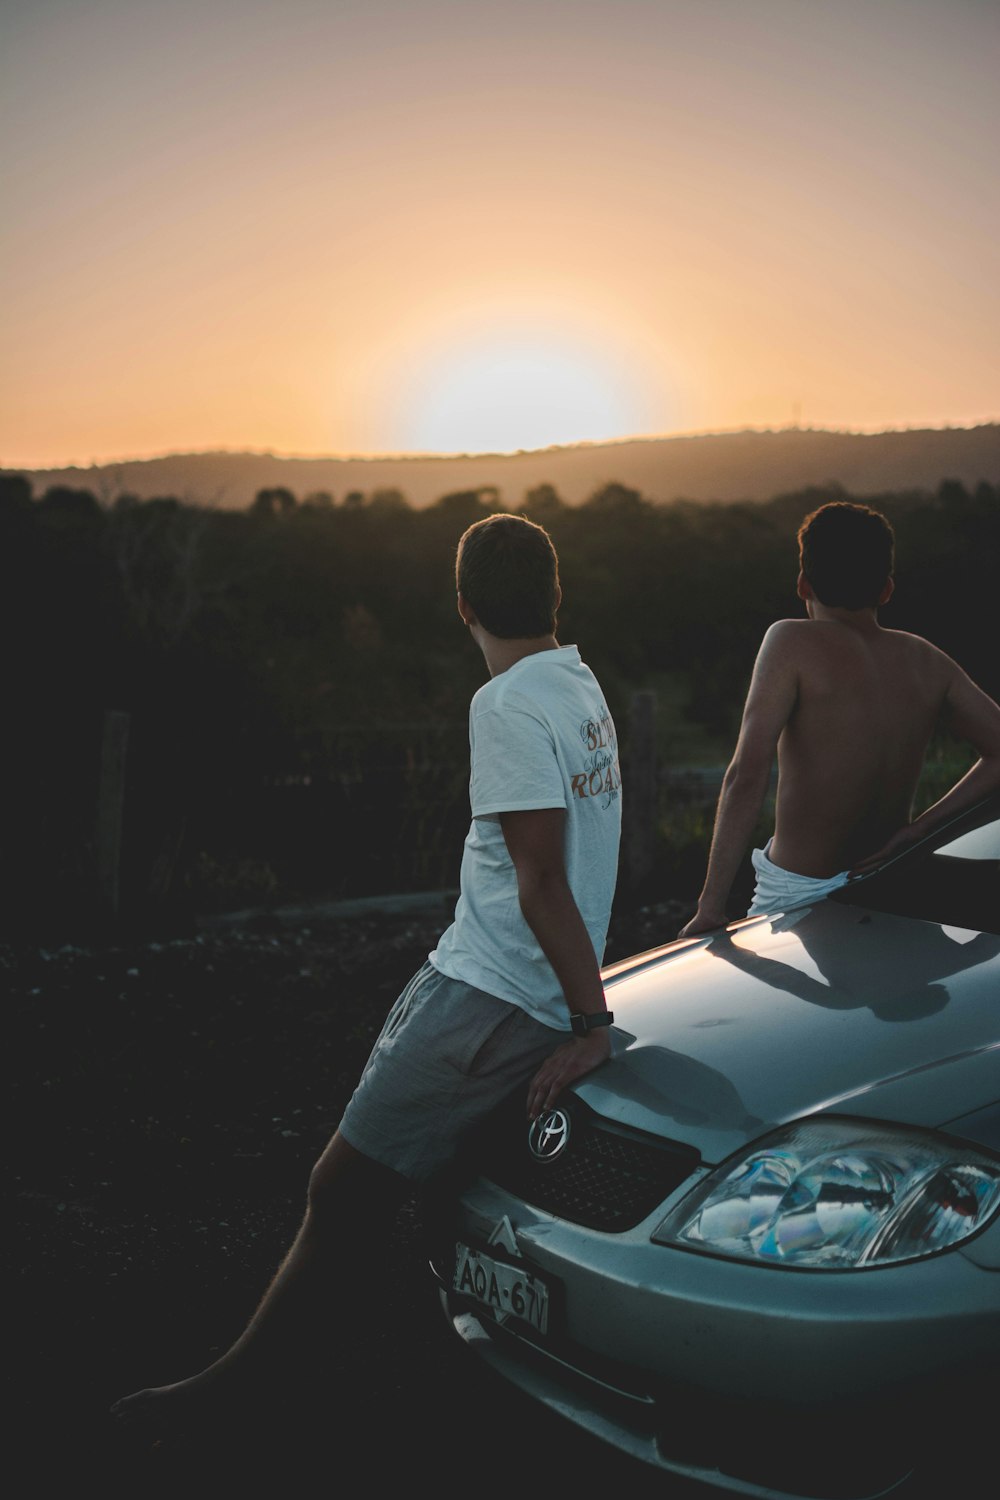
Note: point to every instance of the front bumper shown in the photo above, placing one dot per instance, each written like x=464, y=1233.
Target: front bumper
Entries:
x=763, y=1381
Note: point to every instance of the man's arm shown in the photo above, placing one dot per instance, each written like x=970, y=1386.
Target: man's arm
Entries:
x=770, y=701
x=971, y=715
x=535, y=843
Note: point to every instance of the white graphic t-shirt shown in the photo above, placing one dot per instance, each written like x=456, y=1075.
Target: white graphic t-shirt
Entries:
x=540, y=735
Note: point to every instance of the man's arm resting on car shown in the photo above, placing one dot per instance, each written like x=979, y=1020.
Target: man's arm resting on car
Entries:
x=770, y=701
x=535, y=843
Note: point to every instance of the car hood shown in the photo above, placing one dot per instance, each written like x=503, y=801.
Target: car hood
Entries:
x=827, y=1009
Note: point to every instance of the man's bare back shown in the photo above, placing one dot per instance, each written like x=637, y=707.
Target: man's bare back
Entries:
x=850, y=754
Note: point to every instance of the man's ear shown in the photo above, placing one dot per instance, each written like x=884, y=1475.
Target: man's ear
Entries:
x=886, y=594
x=466, y=611
x=803, y=587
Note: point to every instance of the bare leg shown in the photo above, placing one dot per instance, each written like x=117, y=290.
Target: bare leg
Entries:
x=343, y=1183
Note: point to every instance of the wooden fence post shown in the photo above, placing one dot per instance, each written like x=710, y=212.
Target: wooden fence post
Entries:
x=640, y=789
x=110, y=807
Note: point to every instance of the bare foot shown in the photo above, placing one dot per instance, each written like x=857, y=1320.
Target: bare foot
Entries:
x=167, y=1409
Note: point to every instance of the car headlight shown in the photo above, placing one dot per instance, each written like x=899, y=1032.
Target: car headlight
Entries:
x=836, y=1194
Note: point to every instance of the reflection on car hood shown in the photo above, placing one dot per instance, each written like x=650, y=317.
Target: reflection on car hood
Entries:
x=826, y=1009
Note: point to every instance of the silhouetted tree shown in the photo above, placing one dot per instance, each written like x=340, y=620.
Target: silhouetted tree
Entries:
x=73, y=505
x=463, y=507
x=273, y=502
x=543, y=504
x=156, y=547
x=953, y=496
x=618, y=498
x=15, y=492
x=387, y=501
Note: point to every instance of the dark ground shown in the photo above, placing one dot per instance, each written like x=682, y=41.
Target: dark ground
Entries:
x=168, y=1099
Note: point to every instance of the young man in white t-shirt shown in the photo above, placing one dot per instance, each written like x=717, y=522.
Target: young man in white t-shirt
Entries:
x=512, y=994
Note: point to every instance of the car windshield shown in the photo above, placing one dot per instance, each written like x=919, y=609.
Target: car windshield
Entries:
x=953, y=878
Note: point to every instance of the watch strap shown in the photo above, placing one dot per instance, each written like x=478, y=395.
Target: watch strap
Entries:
x=583, y=1022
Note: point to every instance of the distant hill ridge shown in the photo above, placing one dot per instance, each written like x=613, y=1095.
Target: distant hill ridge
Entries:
x=722, y=466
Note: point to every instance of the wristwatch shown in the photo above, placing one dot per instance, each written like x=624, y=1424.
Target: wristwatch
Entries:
x=582, y=1022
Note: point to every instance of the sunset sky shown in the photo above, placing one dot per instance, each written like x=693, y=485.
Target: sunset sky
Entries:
x=335, y=227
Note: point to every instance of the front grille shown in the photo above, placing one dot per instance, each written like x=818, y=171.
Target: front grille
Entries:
x=607, y=1177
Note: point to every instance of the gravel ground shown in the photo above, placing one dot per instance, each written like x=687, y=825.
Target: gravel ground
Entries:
x=168, y=1099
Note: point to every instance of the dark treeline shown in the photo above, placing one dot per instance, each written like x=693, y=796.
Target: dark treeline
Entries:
x=296, y=681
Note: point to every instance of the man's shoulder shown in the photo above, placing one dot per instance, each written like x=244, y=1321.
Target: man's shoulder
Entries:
x=508, y=703
x=781, y=630
x=907, y=641
x=541, y=689
x=922, y=655
x=785, y=637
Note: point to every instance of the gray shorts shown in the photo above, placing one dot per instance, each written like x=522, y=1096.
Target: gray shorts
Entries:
x=447, y=1055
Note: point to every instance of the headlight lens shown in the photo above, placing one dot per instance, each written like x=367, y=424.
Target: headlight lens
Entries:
x=836, y=1194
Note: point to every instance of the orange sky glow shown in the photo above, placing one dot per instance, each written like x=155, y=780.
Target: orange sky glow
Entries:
x=328, y=228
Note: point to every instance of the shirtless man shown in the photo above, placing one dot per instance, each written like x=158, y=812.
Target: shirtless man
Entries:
x=849, y=707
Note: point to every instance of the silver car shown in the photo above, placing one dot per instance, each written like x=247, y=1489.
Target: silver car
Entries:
x=760, y=1247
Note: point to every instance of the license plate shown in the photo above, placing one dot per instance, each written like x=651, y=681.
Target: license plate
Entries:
x=507, y=1290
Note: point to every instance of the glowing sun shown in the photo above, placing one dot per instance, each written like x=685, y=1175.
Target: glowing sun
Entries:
x=507, y=395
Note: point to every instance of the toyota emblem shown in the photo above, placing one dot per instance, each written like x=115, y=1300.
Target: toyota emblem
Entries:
x=549, y=1135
